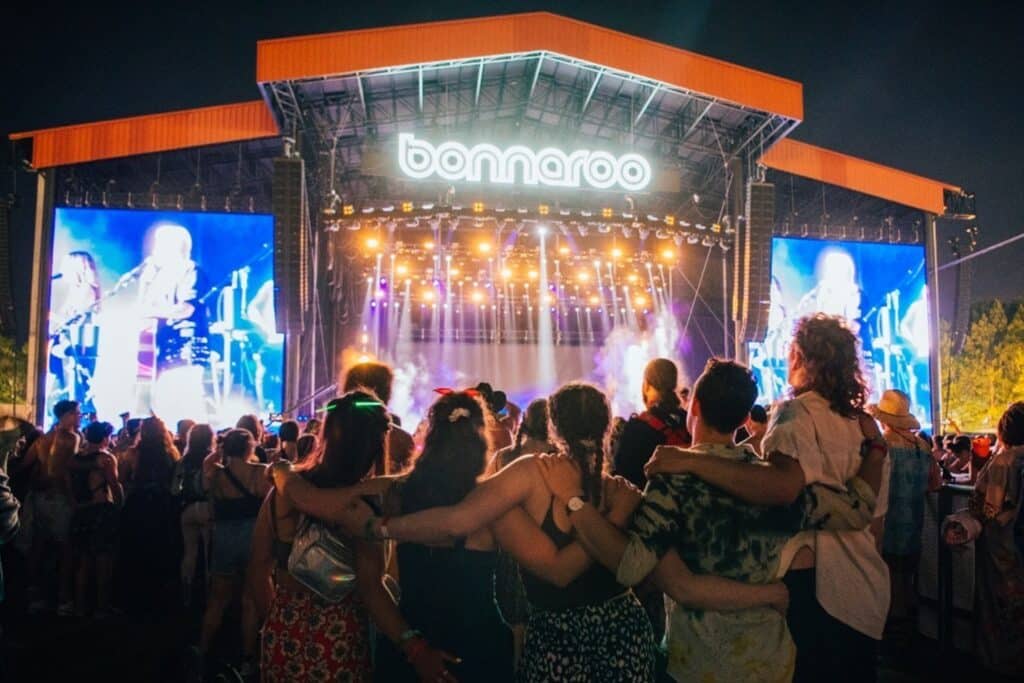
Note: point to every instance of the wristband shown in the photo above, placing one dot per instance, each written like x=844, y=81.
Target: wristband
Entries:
x=408, y=635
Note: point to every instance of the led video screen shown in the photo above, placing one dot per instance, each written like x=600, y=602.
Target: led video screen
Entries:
x=881, y=291
x=164, y=312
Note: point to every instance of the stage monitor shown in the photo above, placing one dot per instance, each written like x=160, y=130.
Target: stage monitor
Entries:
x=164, y=312
x=881, y=291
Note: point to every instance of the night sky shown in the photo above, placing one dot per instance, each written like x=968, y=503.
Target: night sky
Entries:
x=930, y=88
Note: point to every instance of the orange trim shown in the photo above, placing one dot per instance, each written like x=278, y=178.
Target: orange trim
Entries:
x=332, y=54
x=824, y=165
x=150, y=133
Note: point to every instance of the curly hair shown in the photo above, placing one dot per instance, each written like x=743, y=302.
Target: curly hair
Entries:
x=454, y=453
x=352, y=441
x=830, y=354
x=580, y=420
x=1011, y=425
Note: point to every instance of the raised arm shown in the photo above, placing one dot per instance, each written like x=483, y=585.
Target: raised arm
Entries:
x=777, y=483
x=520, y=536
x=339, y=505
x=704, y=591
x=489, y=500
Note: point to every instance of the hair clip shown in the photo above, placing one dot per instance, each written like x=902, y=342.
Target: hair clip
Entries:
x=458, y=414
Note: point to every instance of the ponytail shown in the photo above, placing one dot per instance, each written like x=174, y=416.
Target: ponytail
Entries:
x=580, y=416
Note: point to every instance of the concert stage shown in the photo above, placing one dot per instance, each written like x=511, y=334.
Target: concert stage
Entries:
x=522, y=199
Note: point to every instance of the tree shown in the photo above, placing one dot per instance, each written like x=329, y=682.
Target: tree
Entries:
x=13, y=363
x=988, y=373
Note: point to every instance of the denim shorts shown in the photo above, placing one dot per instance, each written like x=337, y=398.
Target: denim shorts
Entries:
x=231, y=541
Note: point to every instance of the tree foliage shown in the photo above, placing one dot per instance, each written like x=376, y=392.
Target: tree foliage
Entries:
x=988, y=373
x=13, y=363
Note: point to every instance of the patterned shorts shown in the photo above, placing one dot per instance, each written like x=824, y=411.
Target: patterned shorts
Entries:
x=607, y=642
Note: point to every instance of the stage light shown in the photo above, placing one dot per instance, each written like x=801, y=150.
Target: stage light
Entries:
x=640, y=301
x=606, y=212
x=366, y=338
x=543, y=209
x=428, y=245
x=532, y=275
x=484, y=247
x=583, y=276
x=595, y=299
x=477, y=297
x=347, y=210
x=542, y=230
x=670, y=220
x=364, y=358
x=632, y=277
x=453, y=272
x=401, y=270
x=616, y=253
x=478, y=207
x=716, y=227
x=548, y=299
x=597, y=264
x=428, y=295
x=668, y=254
x=372, y=243
x=564, y=251
x=406, y=207
x=506, y=273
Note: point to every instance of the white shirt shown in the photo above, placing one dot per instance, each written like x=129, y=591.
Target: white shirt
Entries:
x=852, y=577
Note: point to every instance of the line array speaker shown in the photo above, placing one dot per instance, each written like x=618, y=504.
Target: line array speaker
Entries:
x=291, y=244
x=756, y=292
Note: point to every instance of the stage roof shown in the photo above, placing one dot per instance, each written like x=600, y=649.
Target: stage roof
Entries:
x=538, y=76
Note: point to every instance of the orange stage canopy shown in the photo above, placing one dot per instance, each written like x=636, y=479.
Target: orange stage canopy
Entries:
x=824, y=165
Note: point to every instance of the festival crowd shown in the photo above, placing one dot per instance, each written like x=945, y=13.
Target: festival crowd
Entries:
x=704, y=539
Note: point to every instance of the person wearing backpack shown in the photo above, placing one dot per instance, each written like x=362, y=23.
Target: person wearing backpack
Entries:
x=196, y=511
x=663, y=423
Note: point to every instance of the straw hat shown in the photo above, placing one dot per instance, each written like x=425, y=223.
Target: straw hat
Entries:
x=893, y=409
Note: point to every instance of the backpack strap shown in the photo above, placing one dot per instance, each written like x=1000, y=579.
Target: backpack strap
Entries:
x=652, y=421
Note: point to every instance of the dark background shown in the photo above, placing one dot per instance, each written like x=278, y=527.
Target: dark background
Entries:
x=932, y=88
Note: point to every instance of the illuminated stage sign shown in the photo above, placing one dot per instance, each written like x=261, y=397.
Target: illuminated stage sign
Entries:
x=550, y=166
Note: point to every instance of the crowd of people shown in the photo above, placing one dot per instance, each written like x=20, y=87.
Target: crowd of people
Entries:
x=704, y=538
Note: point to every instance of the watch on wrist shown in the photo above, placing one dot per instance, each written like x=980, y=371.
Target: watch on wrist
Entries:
x=576, y=503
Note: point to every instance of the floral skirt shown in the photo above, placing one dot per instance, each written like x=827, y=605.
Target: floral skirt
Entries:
x=610, y=642
x=306, y=639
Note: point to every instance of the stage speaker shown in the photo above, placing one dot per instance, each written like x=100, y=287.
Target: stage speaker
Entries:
x=291, y=244
x=756, y=294
x=6, y=274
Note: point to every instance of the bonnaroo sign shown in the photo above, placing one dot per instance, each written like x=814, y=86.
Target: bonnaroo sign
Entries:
x=550, y=166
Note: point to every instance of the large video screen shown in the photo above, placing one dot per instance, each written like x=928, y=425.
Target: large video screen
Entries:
x=881, y=291
x=164, y=312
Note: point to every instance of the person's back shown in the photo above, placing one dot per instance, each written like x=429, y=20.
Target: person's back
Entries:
x=447, y=592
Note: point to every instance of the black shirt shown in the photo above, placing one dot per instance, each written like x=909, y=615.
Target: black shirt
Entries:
x=638, y=441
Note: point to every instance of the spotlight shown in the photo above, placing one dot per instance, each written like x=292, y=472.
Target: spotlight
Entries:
x=543, y=209
x=564, y=251
x=477, y=297
x=548, y=299
x=668, y=254
x=606, y=212
x=347, y=210
x=595, y=299
x=670, y=220
x=372, y=243
x=532, y=275
x=640, y=301
x=406, y=207
x=506, y=273
x=616, y=253
x=453, y=272
x=401, y=270
x=583, y=276
x=428, y=245
x=542, y=230
x=428, y=295
x=484, y=247
x=632, y=277
x=478, y=207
